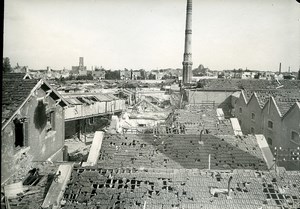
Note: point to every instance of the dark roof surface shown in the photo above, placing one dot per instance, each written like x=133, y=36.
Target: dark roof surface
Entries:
x=181, y=151
x=284, y=98
x=98, y=187
x=15, y=90
x=236, y=84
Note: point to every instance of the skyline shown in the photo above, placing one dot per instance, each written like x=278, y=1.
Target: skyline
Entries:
x=140, y=34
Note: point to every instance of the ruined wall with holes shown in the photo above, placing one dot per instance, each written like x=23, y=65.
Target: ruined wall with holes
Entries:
x=42, y=144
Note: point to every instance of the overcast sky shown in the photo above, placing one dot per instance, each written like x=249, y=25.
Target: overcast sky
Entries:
x=149, y=34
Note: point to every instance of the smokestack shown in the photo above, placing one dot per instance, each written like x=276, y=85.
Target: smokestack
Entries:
x=187, y=56
x=279, y=68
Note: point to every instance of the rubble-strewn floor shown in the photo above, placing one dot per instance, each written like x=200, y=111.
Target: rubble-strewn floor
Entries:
x=181, y=151
x=34, y=197
x=93, y=187
x=78, y=150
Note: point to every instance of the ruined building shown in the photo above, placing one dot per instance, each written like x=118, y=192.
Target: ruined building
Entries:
x=32, y=124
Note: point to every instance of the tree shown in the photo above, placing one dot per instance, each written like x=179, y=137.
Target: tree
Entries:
x=298, y=74
x=152, y=76
x=6, y=64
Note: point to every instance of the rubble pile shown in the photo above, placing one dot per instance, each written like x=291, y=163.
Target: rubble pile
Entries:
x=32, y=189
x=78, y=149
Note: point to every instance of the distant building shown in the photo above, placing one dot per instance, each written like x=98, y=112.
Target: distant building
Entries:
x=125, y=74
x=20, y=69
x=81, y=69
x=98, y=73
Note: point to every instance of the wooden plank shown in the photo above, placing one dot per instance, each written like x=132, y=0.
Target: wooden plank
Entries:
x=265, y=149
x=95, y=149
x=236, y=126
x=58, y=186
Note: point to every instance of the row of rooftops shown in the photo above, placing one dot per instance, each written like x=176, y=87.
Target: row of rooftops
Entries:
x=285, y=99
x=254, y=84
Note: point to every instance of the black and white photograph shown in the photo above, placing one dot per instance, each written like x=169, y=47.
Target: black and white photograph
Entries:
x=150, y=104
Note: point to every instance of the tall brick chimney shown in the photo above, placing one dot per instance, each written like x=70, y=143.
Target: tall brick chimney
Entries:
x=187, y=57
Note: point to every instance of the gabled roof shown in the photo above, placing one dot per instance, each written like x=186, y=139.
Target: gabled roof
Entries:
x=272, y=100
x=284, y=99
x=16, y=91
x=243, y=96
x=254, y=96
x=296, y=105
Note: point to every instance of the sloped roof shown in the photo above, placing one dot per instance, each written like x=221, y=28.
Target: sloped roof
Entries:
x=16, y=90
x=236, y=84
x=284, y=98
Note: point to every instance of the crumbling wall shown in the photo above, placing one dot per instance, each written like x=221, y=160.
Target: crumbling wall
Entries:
x=13, y=163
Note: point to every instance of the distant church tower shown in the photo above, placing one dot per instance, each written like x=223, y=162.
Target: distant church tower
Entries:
x=187, y=56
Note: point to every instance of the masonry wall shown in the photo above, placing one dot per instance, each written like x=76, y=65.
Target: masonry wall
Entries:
x=204, y=96
x=252, y=125
x=234, y=100
x=242, y=115
x=291, y=122
x=40, y=144
x=270, y=113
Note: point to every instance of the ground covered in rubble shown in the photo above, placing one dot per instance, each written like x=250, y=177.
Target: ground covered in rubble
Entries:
x=95, y=187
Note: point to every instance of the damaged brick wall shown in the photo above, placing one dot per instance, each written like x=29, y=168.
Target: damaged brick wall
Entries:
x=13, y=163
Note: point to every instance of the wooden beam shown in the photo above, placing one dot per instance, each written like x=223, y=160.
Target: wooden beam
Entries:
x=57, y=102
x=48, y=93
